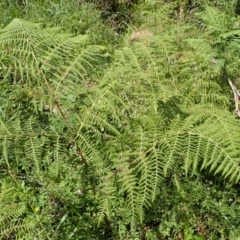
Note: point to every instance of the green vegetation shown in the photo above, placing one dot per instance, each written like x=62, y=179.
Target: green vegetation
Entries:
x=117, y=120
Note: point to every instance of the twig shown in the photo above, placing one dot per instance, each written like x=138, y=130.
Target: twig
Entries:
x=236, y=95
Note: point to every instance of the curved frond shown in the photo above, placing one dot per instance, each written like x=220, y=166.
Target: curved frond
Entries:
x=206, y=139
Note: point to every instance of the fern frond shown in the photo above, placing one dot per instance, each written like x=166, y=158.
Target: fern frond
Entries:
x=203, y=48
x=207, y=139
x=107, y=197
x=15, y=219
x=216, y=22
x=55, y=62
x=150, y=171
x=128, y=180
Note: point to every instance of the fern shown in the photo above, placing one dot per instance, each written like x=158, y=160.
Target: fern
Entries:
x=72, y=118
x=203, y=145
x=13, y=219
x=40, y=128
x=193, y=139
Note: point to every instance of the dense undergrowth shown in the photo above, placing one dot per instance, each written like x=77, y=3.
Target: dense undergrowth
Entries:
x=117, y=120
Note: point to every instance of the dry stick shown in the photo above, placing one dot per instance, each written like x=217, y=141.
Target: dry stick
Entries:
x=236, y=95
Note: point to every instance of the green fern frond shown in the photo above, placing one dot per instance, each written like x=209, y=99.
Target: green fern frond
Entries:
x=216, y=22
x=55, y=62
x=15, y=219
x=150, y=177
x=128, y=181
x=203, y=49
x=107, y=192
x=139, y=68
x=199, y=141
